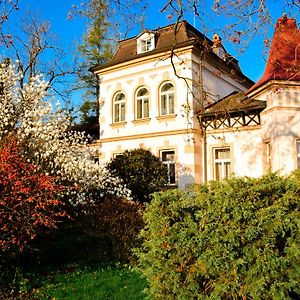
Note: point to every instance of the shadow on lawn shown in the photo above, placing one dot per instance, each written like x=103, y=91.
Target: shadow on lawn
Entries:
x=62, y=250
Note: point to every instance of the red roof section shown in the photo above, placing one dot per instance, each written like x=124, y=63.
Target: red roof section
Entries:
x=284, y=58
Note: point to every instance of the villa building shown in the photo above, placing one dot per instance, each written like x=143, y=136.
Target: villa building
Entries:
x=182, y=96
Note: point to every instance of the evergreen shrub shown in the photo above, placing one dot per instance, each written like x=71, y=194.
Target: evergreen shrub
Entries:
x=238, y=239
x=141, y=171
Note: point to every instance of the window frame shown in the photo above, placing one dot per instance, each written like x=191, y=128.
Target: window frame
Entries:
x=170, y=163
x=145, y=101
x=223, y=162
x=170, y=102
x=121, y=104
x=146, y=45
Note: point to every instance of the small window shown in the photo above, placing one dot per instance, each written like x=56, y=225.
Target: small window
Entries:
x=142, y=104
x=146, y=45
x=168, y=158
x=167, y=100
x=298, y=153
x=146, y=42
x=222, y=163
x=119, y=108
x=116, y=155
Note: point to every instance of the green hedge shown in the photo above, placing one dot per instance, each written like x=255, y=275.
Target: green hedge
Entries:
x=239, y=239
x=141, y=171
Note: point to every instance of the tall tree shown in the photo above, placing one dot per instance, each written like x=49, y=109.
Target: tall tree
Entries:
x=95, y=49
x=36, y=51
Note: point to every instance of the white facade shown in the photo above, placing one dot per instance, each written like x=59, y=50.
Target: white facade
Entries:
x=271, y=146
x=174, y=131
x=132, y=115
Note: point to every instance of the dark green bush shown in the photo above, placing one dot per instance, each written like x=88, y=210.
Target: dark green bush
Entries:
x=142, y=172
x=238, y=239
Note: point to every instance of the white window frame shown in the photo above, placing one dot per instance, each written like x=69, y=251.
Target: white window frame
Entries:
x=170, y=163
x=143, y=100
x=146, y=45
x=119, y=106
x=223, y=162
x=169, y=99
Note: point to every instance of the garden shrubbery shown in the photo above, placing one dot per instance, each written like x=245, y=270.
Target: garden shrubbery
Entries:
x=238, y=239
x=29, y=199
x=141, y=171
x=118, y=222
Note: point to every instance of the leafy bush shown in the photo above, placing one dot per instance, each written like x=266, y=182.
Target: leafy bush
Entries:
x=238, y=239
x=119, y=222
x=28, y=199
x=141, y=171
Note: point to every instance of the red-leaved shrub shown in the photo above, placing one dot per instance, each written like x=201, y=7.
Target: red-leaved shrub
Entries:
x=28, y=199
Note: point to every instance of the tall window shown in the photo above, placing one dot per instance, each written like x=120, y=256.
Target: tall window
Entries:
x=268, y=156
x=222, y=163
x=167, y=99
x=298, y=153
x=142, y=103
x=168, y=158
x=119, y=108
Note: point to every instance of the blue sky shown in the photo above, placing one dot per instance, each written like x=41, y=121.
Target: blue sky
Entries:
x=252, y=61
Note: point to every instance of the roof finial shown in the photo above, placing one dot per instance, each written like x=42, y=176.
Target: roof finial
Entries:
x=284, y=15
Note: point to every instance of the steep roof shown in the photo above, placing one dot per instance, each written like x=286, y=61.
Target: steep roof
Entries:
x=173, y=36
x=284, y=57
x=234, y=102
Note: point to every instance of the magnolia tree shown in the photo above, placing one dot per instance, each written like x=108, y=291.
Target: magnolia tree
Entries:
x=42, y=131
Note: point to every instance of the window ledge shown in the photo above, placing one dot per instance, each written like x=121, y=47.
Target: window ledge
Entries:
x=166, y=117
x=141, y=121
x=118, y=124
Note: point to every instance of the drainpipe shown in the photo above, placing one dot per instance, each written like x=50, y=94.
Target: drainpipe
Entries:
x=204, y=146
x=202, y=99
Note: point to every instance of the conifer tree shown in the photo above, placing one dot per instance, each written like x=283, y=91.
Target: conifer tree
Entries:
x=95, y=49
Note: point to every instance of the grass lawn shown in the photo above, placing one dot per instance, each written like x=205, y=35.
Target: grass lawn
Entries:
x=103, y=282
x=70, y=265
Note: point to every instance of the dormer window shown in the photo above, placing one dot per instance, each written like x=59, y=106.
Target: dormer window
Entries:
x=145, y=42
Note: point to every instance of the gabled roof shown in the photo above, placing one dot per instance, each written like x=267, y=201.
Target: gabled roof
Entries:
x=233, y=103
x=284, y=58
x=173, y=36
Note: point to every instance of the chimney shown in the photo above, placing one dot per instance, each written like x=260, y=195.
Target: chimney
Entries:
x=218, y=47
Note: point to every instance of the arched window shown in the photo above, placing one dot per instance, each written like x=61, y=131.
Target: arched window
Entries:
x=167, y=99
x=119, y=108
x=142, y=103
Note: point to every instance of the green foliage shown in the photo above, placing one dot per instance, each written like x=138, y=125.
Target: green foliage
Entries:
x=101, y=282
x=96, y=48
x=238, y=239
x=141, y=171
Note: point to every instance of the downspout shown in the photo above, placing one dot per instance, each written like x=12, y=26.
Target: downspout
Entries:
x=204, y=146
x=202, y=99
x=98, y=106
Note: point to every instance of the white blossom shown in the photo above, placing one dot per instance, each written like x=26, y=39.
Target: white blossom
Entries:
x=42, y=129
